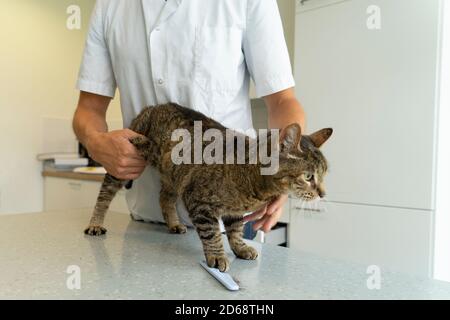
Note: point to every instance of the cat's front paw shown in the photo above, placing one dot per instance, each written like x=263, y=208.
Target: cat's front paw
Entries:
x=246, y=252
x=218, y=261
x=95, y=230
x=178, y=228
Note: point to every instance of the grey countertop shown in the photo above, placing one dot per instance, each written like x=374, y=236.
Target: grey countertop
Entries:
x=142, y=261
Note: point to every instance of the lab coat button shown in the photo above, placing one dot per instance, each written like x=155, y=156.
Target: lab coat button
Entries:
x=160, y=81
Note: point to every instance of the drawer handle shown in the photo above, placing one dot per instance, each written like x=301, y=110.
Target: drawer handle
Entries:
x=307, y=209
x=75, y=185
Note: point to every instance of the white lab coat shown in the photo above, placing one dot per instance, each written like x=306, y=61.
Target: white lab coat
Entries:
x=197, y=53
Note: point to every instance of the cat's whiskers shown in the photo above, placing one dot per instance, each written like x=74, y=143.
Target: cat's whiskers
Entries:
x=316, y=205
x=323, y=204
x=302, y=204
x=310, y=206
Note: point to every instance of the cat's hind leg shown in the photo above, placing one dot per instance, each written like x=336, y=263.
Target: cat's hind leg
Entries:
x=168, y=201
x=108, y=190
x=146, y=148
x=234, y=227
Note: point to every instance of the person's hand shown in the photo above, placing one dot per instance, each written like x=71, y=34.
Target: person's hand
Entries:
x=116, y=153
x=267, y=216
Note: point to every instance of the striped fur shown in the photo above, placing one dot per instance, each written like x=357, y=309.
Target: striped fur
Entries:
x=217, y=191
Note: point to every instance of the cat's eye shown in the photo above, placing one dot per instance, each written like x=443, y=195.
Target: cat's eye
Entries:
x=308, y=176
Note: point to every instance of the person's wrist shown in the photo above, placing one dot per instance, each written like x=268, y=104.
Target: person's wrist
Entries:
x=92, y=139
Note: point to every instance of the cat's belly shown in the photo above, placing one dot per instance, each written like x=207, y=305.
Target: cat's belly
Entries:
x=243, y=208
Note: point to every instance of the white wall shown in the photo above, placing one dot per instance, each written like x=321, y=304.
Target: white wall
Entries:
x=287, y=12
x=39, y=60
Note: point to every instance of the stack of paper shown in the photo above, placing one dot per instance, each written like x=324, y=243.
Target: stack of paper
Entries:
x=63, y=160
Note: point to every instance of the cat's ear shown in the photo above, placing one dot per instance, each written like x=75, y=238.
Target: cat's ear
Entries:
x=290, y=137
x=320, y=137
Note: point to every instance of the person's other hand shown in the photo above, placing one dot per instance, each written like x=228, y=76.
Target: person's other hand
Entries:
x=116, y=153
x=267, y=216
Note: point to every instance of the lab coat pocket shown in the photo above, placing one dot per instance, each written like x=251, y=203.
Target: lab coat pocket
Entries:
x=218, y=63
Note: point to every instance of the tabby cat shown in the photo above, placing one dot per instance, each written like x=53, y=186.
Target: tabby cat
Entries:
x=217, y=191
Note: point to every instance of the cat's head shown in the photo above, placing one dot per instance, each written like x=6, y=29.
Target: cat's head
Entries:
x=302, y=161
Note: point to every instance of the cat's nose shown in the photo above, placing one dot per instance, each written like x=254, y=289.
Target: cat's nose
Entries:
x=322, y=193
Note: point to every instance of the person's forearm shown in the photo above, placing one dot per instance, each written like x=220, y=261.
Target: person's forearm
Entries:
x=113, y=150
x=87, y=123
x=286, y=112
x=90, y=117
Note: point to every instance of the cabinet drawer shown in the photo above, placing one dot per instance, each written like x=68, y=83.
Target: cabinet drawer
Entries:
x=395, y=238
x=277, y=236
x=62, y=194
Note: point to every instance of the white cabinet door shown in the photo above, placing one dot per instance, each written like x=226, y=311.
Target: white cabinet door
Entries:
x=62, y=194
x=393, y=238
x=376, y=88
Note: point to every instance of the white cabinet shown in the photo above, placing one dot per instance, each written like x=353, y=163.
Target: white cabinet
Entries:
x=61, y=194
x=376, y=88
x=305, y=5
x=398, y=239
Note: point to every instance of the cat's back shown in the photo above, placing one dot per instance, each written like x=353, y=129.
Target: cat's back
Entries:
x=186, y=117
x=162, y=120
